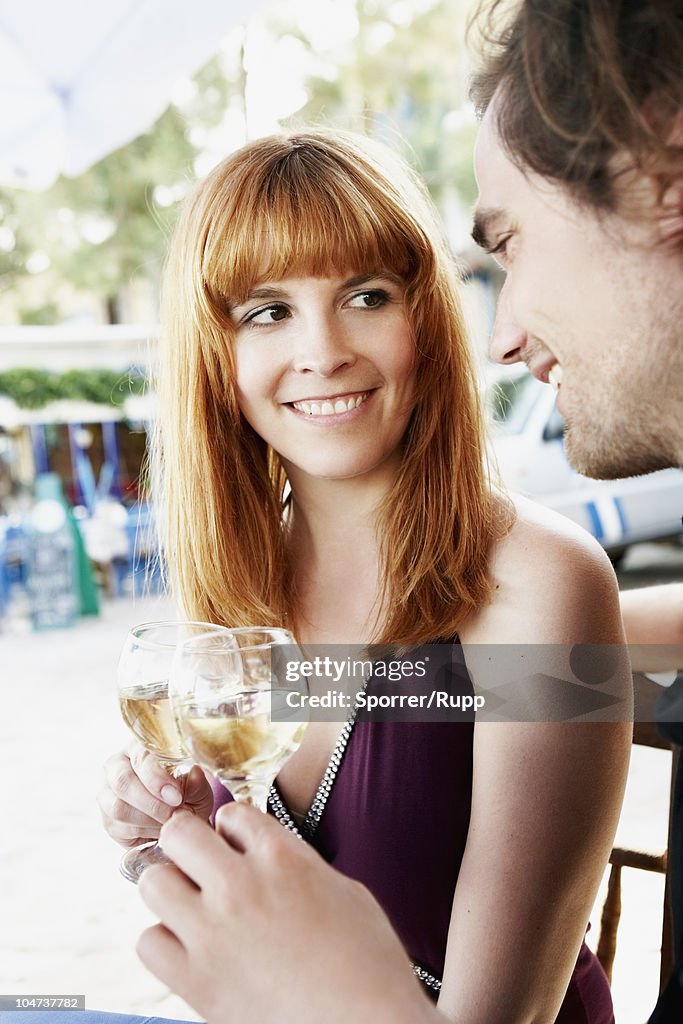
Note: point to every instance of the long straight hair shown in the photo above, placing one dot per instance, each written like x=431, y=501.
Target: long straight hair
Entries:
x=315, y=203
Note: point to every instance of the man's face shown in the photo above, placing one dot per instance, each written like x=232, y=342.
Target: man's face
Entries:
x=592, y=304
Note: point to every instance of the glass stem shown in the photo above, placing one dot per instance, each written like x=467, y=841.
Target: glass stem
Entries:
x=250, y=792
x=176, y=769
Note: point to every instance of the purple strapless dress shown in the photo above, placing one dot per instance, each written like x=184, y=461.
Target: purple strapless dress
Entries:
x=393, y=812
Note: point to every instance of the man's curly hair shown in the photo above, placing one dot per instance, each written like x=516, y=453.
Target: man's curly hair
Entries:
x=580, y=81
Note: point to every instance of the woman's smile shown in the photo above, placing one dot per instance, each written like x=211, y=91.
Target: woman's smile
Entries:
x=337, y=408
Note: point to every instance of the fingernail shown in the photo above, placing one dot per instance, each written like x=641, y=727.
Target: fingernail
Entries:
x=170, y=795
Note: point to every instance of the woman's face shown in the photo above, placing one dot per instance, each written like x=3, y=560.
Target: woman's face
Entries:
x=325, y=372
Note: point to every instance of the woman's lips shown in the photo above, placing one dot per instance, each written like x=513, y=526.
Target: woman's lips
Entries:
x=334, y=406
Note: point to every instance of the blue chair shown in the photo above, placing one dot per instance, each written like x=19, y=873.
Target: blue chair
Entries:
x=143, y=550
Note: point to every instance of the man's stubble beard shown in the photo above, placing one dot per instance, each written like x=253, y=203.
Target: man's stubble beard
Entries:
x=629, y=421
x=596, y=458
x=609, y=447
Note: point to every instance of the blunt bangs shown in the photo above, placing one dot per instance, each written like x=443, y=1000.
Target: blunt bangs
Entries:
x=292, y=210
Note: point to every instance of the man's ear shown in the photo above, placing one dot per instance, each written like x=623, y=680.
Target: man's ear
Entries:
x=671, y=207
x=676, y=133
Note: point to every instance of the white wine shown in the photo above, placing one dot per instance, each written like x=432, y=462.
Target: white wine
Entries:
x=236, y=739
x=146, y=711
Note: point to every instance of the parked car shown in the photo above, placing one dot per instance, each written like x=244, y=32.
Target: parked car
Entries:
x=528, y=444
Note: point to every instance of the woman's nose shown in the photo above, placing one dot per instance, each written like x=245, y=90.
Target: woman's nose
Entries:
x=323, y=347
x=508, y=338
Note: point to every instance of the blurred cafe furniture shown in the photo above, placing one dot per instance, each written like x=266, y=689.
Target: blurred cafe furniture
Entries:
x=644, y=734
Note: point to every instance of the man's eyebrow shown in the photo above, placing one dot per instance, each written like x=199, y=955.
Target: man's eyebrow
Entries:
x=483, y=222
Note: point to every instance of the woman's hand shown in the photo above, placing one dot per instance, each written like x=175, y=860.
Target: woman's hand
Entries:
x=138, y=796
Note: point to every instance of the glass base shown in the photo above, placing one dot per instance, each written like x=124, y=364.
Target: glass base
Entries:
x=135, y=861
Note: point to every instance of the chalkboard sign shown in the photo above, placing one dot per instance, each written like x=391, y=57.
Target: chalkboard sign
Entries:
x=52, y=580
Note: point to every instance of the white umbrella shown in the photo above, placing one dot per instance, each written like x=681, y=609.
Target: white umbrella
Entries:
x=79, y=78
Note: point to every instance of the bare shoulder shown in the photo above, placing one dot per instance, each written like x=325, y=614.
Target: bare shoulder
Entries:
x=547, y=544
x=551, y=582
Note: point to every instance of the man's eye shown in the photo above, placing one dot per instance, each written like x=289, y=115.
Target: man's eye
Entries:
x=267, y=315
x=500, y=248
x=371, y=299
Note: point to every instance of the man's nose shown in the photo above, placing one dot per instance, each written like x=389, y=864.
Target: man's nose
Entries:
x=323, y=347
x=508, y=338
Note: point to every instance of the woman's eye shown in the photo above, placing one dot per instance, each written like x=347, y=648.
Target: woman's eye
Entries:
x=371, y=299
x=267, y=315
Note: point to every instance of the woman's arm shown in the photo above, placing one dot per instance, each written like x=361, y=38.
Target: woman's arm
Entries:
x=546, y=795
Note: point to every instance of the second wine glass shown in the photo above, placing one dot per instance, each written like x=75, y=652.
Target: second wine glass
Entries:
x=143, y=673
x=241, y=710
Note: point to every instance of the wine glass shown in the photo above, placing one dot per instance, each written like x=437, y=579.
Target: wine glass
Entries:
x=143, y=673
x=241, y=710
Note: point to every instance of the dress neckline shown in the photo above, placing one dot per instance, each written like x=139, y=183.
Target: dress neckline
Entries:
x=314, y=814
x=311, y=821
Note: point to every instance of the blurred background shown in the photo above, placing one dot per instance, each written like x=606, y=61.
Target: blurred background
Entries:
x=81, y=255
x=107, y=118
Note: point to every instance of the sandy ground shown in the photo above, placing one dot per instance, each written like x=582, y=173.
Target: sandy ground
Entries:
x=69, y=922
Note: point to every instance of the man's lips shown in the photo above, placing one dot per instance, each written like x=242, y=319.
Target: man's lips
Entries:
x=548, y=372
x=555, y=376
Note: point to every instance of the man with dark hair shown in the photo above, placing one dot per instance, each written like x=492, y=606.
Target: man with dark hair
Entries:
x=580, y=167
x=585, y=90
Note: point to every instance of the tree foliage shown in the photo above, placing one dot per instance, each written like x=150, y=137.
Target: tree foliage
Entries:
x=401, y=79
x=33, y=388
x=404, y=81
x=107, y=227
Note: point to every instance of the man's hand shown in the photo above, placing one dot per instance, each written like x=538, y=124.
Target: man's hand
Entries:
x=256, y=927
